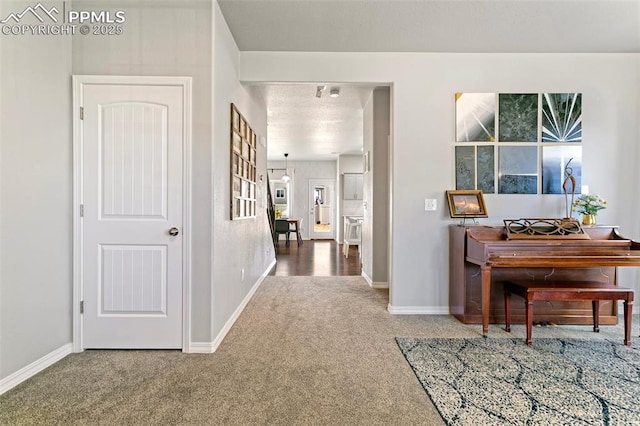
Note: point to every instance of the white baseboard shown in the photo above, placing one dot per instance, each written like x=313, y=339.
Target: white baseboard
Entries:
x=201, y=348
x=418, y=310
x=374, y=284
x=34, y=368
x=380, y=284
x=210, y=347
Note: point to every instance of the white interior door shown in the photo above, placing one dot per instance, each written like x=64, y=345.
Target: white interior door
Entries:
x=322, y=196
x=132, y=224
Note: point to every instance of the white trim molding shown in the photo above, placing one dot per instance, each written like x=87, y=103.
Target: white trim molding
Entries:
x=374, y=284
x=201, y=348
x=418, y=310
x=211, y=347
x=34, y=368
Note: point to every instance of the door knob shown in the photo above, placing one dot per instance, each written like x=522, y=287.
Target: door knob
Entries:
x=174, y=231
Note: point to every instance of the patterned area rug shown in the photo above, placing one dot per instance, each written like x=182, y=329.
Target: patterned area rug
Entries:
x=504, y=382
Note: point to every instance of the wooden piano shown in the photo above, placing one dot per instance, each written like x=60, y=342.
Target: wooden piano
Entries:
x=481, y=258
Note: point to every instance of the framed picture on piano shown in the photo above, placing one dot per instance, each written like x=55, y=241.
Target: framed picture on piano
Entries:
x=466, y=203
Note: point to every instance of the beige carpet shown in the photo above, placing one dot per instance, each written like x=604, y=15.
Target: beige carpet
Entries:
x=306, y=351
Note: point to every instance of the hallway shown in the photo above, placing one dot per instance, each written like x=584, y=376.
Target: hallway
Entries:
x=316, y=258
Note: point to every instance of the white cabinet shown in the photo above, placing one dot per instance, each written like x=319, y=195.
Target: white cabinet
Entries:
x=352, y=186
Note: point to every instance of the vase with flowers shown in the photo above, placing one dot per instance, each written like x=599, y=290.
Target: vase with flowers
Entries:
x=589, y=206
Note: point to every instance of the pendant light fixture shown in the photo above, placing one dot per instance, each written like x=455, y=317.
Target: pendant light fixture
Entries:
x=285, y=177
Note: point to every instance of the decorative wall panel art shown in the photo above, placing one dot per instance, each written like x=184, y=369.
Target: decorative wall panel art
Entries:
x=518, y=118
x=476, y=116
x=518, y=170
x=561, y=117
x=537, y=135
x=554, y=160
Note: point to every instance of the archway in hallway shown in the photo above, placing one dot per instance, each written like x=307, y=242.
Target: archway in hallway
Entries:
x=329, y=137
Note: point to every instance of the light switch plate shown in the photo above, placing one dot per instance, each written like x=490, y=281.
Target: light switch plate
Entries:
x=430, y=204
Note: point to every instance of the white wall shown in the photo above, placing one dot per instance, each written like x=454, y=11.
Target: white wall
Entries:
x=423, y=135
x=380, y=185
x=239, y=244
x=376, y=188
x=350, y=163
x=172, y=39
x=367, y=194
x=175, y=38
x=163, y=38
x=35, y=196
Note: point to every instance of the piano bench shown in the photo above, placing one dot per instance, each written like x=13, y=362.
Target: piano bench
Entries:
x=567, y=290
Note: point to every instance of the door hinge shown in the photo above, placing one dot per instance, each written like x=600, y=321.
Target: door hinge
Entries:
x=81, y=210
x=81, y=113
x=82, y=306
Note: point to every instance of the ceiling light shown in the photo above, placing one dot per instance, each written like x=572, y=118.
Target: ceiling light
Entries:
x=319, y=91
x=285, y=177
x=334, y=93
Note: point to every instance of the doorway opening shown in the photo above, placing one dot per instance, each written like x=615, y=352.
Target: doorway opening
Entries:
x=328, y=138
x=322, y=222
x=322, y=199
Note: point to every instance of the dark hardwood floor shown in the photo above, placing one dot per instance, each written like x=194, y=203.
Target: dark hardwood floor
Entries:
x=315, y=258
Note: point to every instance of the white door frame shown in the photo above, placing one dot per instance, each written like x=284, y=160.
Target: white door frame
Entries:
x=333, y=199
x=79, y=81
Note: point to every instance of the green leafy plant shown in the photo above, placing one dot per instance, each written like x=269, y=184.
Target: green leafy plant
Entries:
x=589, y=204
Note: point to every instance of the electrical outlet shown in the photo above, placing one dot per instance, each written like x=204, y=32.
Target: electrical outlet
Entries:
x=430, y=204
x=242, y=274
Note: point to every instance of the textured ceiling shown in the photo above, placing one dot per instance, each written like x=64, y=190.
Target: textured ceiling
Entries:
x=311, y=128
